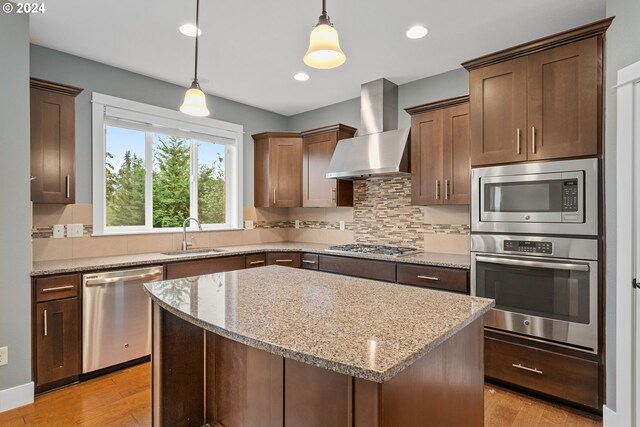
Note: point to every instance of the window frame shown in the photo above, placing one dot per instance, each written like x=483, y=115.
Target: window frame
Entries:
x=207, y=129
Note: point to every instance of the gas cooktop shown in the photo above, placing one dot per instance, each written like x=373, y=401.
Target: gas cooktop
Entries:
x=396, y=251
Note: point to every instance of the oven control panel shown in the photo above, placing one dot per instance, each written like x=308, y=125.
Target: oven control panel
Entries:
x=528, y=246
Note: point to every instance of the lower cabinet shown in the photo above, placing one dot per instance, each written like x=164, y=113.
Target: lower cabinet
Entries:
x=206, y=266
x=57, y=331
x=287, y=259
x=365, y=268
x=255, y=260
x=444, y=279
x=554, y=374
x=310, y=261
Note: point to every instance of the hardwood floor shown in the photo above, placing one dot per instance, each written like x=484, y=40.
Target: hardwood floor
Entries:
x=124, y=399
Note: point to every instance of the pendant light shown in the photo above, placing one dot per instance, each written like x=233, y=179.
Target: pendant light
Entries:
x=324, y=46
x=195, y=101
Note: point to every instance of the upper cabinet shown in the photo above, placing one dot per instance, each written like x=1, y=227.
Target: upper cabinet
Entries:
x=278, y=170
x=318, y=146
x=440, y=167
x=52, y=142
x=541, y=100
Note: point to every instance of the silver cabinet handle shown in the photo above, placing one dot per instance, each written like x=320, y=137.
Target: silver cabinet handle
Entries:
x=333, y=194
x=435, y=279
x=540, y=264
x=57, y=288
x=524, y=368
x=446, y=189
x=67, y=184
x=437, y=189
x=308, y=261
x=274, y=196
x=533, y=139
x=46, y=330
x=284, y=260
x=256, y=262
x=518, y=149
x=33, y=177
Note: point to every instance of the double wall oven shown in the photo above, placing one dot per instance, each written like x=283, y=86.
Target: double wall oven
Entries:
x=534, y=249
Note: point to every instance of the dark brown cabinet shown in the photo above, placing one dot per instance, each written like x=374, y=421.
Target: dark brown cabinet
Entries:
x=310, y=261
x=444, y=279
x=318, y=146
x=57, y=331
x=538, y=101
x=287, y=259
x=52, y=142
x=206, y=266
x=278, y=170
x=255, y=260
x=440, y=167
x=365, y=268
x=563, y=376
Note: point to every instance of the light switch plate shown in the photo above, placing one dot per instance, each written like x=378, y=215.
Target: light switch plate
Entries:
x=4, y=356
x=58, y=231
x=75, y=230
x=248, y=224
x=342, y=225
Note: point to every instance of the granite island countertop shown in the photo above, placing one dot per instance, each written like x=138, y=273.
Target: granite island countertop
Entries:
x=42, y=268
x=358, y=327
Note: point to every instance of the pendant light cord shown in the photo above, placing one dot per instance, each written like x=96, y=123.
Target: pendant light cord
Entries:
x=195, y=77
x=324, y=7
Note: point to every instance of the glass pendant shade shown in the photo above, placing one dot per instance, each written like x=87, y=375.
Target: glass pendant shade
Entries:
x=195, y=102
x=324, y=48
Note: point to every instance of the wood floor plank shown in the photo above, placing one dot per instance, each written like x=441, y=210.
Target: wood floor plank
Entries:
x=124, y=399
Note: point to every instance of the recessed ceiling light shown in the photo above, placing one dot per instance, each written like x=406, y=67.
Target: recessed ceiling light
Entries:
x=189, y=30
x=417, y=32
x=301, y=77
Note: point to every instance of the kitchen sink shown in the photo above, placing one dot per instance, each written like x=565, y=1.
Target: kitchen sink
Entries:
x=194, y=251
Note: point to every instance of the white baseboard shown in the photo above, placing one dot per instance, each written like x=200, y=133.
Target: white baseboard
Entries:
x=16, y=396
x=609, y=417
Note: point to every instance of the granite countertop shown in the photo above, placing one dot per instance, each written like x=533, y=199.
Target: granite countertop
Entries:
x=42, y=268
x=358, y=327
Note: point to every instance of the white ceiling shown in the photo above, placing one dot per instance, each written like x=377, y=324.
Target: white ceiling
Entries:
x=250, y=49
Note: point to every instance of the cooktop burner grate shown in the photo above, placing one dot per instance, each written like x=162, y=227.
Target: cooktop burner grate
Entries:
x=373, y=249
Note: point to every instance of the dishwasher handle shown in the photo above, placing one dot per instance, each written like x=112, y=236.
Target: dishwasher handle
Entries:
x=127, y=276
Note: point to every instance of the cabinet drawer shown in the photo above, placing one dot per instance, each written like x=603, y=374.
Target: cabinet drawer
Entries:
x=206, y=266
x=255, y=260
x=368, y=269
x=554, y=374
x=288, y=259
x=57, y=287
x=310, y=261
x=446, y=279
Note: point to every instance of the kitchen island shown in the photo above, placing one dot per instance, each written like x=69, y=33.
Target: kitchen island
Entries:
x=275, y=346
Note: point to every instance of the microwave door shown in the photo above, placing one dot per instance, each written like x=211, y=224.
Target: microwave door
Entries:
x=535, y=198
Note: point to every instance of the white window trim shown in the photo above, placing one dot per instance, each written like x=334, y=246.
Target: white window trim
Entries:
x=173, y=119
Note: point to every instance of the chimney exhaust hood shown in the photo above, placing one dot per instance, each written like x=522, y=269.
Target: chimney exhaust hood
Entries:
x=381, y=149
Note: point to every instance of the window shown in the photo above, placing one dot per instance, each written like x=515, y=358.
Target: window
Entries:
x=154, y=167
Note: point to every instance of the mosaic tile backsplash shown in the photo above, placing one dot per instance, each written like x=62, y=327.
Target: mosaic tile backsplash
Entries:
x=383, y=214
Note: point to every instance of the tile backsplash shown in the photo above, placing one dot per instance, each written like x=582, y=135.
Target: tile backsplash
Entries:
x=382, y=214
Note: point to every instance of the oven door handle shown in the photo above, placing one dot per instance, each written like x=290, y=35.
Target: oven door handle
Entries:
x=540, y=264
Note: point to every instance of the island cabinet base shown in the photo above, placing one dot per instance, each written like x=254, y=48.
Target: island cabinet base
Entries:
x=202, y=378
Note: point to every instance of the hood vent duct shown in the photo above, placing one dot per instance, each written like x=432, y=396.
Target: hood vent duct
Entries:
x=381, y=149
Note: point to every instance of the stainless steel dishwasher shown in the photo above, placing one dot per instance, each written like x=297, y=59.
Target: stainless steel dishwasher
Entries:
x=116, y=317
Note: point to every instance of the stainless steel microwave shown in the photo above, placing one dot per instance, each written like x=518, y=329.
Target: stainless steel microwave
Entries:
x=559, y=197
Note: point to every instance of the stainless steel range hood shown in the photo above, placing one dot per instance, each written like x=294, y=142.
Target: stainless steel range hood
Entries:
x=381, y=149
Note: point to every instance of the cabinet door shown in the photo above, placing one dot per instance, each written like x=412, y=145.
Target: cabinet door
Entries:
x=498, y=95
x=286, y=259
x=426, y=158
x=317, y=150
x=563, y=101
x=178, y=270
x=52, y=147
x=57, y=341
x=456, y=152
x=285, y=170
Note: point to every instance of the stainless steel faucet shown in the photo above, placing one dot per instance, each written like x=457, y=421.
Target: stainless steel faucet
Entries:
x=185, y=244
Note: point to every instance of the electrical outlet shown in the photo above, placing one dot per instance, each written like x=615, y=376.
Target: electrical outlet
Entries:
x=248, y=224
x=58, y=231
x=4, y=356
x=75, y=230
x=342, y=225
x=297, y=223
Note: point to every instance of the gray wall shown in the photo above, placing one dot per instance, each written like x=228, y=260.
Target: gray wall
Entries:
x=445, y=85
x=622, y=49
x=97, y=77
x=15, y=227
